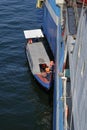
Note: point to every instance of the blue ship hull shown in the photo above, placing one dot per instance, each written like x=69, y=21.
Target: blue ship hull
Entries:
x=64, y=26
x=52, y=31
x=50, y=24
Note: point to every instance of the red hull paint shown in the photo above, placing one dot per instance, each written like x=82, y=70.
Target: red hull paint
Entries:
x=85, y=1
x=43, y=79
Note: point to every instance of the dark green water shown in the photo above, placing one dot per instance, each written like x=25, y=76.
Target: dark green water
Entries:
x=23, y=104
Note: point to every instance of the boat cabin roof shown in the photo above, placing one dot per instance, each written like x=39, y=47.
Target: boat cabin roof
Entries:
x=37, y=55
x=36, y=33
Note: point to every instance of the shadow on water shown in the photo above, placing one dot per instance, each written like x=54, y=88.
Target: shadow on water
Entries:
x=24, y=105
x=46, y=98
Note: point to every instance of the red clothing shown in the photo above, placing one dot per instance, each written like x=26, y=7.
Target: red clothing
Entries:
x=85, y=1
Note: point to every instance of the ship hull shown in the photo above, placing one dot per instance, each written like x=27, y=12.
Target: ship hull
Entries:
x=52, y=31
x=50, y=24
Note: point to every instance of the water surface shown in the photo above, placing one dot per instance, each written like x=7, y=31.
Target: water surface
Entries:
x=23, y=105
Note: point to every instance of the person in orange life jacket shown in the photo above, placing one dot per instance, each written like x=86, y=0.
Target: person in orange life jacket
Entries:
x=48, y=72
x=51, y=65
x=47, y=69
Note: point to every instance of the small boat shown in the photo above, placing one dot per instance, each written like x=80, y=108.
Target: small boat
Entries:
x=38, y=58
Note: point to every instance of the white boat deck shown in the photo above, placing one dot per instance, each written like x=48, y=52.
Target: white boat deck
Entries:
x=36, y=54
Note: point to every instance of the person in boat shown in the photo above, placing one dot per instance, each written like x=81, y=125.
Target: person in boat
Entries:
x=52, y=68
x=51, y=65
x=30, y=41
x=42, y=68
x=44, y=74
x=48, y=72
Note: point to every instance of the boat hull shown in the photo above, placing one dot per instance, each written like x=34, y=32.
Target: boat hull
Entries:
x=43, y=81
x=38, y=58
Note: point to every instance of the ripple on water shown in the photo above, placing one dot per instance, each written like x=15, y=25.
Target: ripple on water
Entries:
x=23, y=105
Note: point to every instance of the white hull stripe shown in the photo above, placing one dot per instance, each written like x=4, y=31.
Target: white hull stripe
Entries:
x=52, y=13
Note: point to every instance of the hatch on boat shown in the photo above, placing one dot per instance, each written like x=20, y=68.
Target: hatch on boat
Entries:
x=36, y=33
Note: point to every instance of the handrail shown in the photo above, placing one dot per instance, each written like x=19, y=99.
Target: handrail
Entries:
x=64, y=79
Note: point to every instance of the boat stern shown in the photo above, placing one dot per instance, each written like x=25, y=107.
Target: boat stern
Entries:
x=46, y=83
